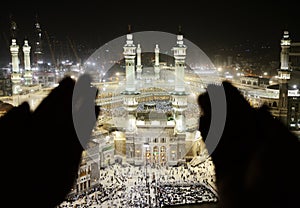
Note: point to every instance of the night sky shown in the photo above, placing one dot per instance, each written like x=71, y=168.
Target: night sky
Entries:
x=211, y=24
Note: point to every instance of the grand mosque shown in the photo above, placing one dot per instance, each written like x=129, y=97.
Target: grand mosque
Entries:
x=153, y=115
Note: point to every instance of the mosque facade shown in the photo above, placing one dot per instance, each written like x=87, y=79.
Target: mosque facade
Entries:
x=155, y=138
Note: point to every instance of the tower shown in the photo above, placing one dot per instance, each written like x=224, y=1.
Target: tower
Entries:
x=139, y=62
x=129, y=55
x=156, y=65
x=27, y=66
x=15, y=76
x=129, y=96
x=179, y=96
x=284, y=74
x=38, y=46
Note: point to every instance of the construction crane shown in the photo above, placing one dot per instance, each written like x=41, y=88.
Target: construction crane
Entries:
x=74, y=50
x=51, y=49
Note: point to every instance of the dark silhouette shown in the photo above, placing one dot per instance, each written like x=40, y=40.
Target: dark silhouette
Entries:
x=41, y=151
x=257, y=158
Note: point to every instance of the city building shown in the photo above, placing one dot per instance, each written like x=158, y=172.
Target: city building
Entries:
x=5, y=83
x=288, y=93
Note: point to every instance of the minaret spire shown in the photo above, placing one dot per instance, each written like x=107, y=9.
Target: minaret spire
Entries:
x=179, y=55
x=156, y=64
x=139, y=62
x=284, y=74
x=129, y=95
x=27, y=66
x=129, y=55
x=179, y=95
x=15, y=75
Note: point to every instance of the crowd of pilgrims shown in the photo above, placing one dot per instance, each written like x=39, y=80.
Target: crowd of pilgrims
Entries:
x=160, y=107
x=123, y=185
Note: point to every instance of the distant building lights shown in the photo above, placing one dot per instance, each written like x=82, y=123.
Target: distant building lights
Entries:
x=295, y=86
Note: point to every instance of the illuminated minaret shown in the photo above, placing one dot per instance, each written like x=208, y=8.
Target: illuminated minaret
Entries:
x=284, y=74
x=130, y=92
x=139, y=62
x=15, y=75
x=156, y=65
x=27, y=66
x=129, y=96
x=129, y=55
x=179, y=99
x=179, y=95
x=179, y=55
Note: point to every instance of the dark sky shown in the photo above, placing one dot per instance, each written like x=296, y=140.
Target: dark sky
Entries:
x=209, y=24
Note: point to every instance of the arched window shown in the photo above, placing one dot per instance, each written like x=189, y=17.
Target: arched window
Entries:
x=155, y=154
x=163, y=157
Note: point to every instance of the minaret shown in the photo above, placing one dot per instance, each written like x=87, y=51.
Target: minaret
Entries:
x=139, y=62
x=179, y=94
x=284, y=74
x=179, y=55
x=27, y=66
x=156, y=65
x=15, y=76
x=179, y=97
x=129, y=55
x=129, y=96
